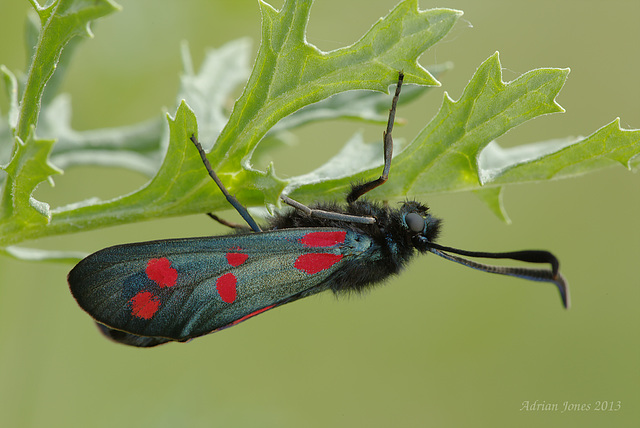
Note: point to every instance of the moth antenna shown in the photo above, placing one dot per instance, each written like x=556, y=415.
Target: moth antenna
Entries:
x=552, y=275
x=235, y=203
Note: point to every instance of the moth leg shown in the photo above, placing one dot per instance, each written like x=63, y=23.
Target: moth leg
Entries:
x=230, y=198
x=232, y=225
x=363, y=188
x=327, y=214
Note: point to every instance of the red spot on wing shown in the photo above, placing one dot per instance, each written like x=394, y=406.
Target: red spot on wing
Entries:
x=323, y=239
x=161, y=272
x=144, y=305
x=315, y=262
x=226, y=286
x=236, y=259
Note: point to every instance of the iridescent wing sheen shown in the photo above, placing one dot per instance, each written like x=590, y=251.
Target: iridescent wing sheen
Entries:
x=178, y=289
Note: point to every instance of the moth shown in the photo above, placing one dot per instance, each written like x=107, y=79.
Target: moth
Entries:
x=149, y=293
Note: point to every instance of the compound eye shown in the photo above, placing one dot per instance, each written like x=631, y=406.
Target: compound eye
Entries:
x=415, y=222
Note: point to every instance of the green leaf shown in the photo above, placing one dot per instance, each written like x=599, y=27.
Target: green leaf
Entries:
x=292, y=83
x=163, y=195
x=209, y=90
x=492, y=196
x=29, y=165
x=443, y=157
x=11, y=87
x=457, y=151
x=37, y=255
x=8, y=122
x=555, y=159
x=367, y=106
x=59, y=21
x=608, y=145
x=450, y=145
x=289, y=73
x=135, y=147
x=27, y=169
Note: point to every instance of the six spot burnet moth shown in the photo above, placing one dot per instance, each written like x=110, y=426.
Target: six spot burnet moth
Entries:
x=148, y=293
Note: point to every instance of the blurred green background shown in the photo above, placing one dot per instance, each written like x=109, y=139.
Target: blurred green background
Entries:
x=439, y=345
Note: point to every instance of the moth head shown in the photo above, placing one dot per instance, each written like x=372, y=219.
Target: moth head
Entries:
x=420, y=226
